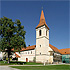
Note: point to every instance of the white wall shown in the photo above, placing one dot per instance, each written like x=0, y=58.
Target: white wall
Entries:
x=27, y=54
x=43, y=40
x=44, y=58
x=1, y=55
x=43, y=28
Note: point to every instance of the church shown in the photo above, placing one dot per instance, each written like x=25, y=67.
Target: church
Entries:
x=42, y=51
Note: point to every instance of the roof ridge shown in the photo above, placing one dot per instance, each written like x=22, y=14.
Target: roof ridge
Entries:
x=29, y=48
x=54, y=48
x=65, y=48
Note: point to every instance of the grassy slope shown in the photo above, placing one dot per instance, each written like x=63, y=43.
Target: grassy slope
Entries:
x=50, y=67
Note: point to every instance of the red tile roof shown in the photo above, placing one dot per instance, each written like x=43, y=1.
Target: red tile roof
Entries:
x=42, y=20
x=34, y=46
x=64, y=51
x=12, y=49
x=29, y=48
x=17, y=55
x=61, y=51
x=53, y=48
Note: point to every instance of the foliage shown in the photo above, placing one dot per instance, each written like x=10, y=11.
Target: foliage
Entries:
x=12, y=35
x=11, y=63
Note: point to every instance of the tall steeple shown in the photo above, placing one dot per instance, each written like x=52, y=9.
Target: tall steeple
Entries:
x=42, y=16
x=42, y=40
x=42, y=20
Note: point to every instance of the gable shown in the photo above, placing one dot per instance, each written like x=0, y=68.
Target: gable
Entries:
x=53, y=48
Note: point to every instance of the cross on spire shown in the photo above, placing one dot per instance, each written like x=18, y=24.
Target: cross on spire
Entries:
x=42, y=7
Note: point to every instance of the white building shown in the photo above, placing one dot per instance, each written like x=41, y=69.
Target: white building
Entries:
x=1, y=55
x=42, y=51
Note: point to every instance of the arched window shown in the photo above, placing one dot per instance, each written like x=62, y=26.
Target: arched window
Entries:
x=46, y=32
x=31, y=52
x=28, y=52
x=40, y=33
x=40, y=53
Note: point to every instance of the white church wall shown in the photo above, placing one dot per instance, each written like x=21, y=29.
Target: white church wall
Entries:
x=44, y=58
x=42, y=46
x=49, y=49
x=29, y=54
x=43, y=29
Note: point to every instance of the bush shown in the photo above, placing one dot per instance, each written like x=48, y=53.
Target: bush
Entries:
x=17, y=62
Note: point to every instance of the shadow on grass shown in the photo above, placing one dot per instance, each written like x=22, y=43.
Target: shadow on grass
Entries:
x=18, y=63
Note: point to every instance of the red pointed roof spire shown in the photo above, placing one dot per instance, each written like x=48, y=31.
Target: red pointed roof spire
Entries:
x=42, y=20
x=42, y=16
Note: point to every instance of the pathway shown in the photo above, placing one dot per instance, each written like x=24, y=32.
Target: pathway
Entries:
x=7, y=68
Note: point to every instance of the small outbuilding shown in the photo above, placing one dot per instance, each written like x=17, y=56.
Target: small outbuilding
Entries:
x=65, y=55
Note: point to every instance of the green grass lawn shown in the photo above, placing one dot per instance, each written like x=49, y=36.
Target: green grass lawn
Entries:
x=18, y=63
x=49, y=67
x=5, y=63
x=32, y=63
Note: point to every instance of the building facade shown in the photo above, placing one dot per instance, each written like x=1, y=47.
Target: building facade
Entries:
x=42, y=51
x=65, y=55
x=1, y=55
x=42, y=41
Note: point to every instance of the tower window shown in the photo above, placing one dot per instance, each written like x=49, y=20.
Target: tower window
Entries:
x=40, y=33
x=28, y=52
x=40, y=53
x=46, y=32
x=31, y=52
x=40, y=45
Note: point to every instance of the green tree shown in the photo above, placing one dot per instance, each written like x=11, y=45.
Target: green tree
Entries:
x=12, y=34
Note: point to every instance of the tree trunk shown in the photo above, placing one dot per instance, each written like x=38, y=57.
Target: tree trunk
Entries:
x=8, y=57
x=9, y=52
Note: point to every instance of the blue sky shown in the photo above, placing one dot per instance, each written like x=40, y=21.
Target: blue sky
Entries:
x=28, y=12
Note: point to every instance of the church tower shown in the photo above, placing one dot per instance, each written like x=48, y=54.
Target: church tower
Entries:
x=42, y=40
